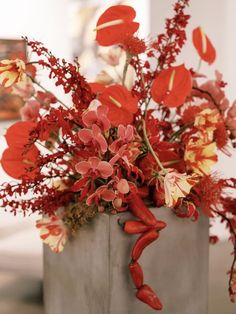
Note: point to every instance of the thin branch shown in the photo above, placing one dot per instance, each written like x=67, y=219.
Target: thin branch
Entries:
x=233, y=232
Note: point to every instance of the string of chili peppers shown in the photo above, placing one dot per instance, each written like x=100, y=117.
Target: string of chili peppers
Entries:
x=148, y=227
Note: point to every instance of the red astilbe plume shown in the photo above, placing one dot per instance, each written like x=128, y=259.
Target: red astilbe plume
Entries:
x=208, y=194
x=133, y=45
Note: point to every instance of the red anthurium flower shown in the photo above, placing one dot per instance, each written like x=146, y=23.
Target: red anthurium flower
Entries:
x=18, y=134
x=121, y=104
x=172, y=86
x=203, y=45
x=123, y=186
x=115, y=24
x=17, y=163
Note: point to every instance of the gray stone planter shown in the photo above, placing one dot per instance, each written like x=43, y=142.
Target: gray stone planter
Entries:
x=91, y=275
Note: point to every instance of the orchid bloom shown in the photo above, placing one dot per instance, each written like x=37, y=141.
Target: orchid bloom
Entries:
x=96, y=114
x=177, y=185
x=30, y=111
x=101, y=193
x=93, y=137
x=214, y=90
x=53, y=232
x=94, y=167
x=113, y=192
x=127, y=152
x=200, y=155
x=11, y=72
x=125, y=135
x=121, y=187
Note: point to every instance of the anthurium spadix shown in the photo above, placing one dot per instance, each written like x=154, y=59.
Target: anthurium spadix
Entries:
x=115, y=24
x=171, y=86
x=203, y=45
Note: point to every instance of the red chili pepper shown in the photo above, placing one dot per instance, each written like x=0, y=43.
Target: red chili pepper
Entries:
x=160, y=225
x=148, y=296
x=143, y=191
x=140, y=210
x=143, y=241
x=134, y=226
x=136, y=274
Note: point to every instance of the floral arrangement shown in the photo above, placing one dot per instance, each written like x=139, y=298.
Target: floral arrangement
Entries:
x=150, y=138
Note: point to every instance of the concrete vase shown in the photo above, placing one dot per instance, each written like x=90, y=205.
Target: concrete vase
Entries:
x=91, y=275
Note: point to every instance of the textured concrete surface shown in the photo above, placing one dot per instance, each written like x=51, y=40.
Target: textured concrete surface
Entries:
x=220, y=262
x=20, y=285
x=91, y=276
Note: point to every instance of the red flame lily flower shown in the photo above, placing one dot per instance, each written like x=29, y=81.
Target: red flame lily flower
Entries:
x=203, y=45
x=115, y=24
x=11, y=72
x=172, y=86
x=121, y=104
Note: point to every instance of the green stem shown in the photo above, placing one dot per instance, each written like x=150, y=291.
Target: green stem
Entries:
x=127, y=62
x=199, y=65
x=151, y=148
x=180, y=131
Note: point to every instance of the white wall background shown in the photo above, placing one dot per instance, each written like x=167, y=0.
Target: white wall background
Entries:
x=47, y=21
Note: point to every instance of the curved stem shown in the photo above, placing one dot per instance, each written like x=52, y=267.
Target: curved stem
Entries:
x=47, y=91
x=209, y=95
x=151, y=148
x=180, y=131
x=127, y=62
